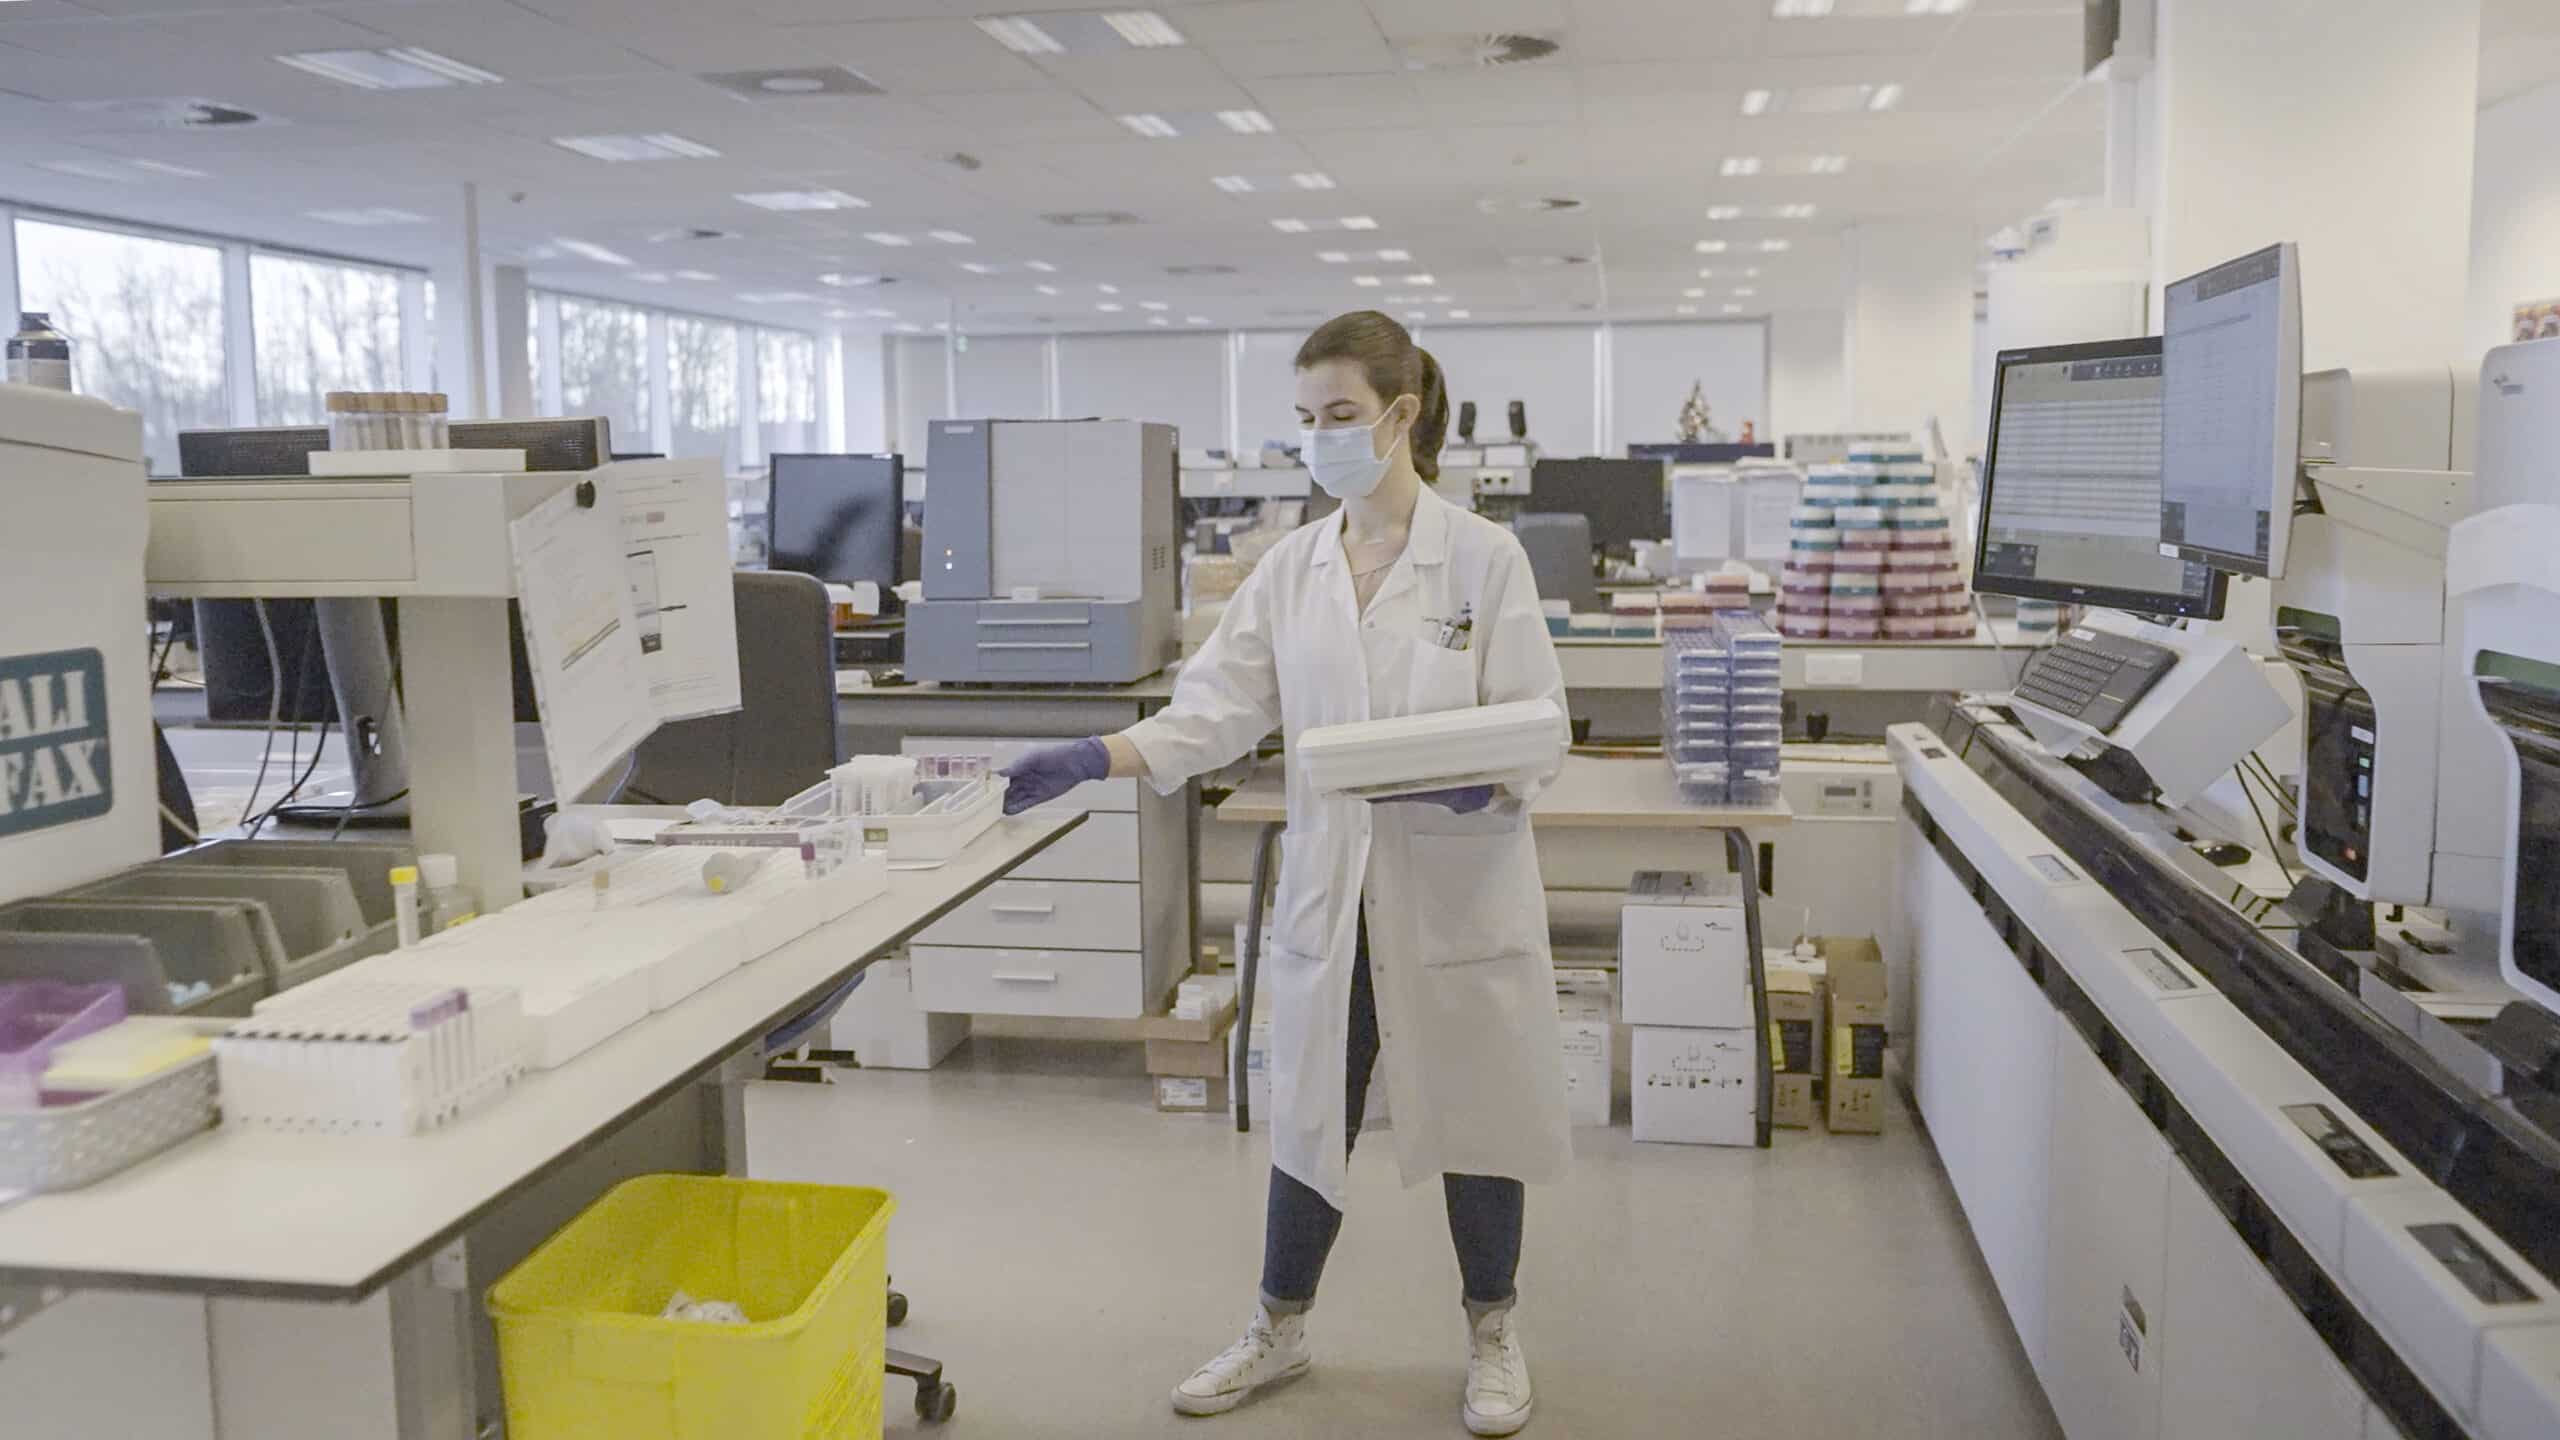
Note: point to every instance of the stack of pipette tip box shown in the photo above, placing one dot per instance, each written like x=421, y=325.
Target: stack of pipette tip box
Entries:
x=1724, y=710
x=372, y=1058
x=1870, y=555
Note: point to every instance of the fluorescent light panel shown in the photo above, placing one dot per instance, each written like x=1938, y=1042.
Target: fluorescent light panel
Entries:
x=1046, y=289
x=1233, y=184
x=1043, y=266
x=777, y=297
x=1936, y=7
x=1741, y=165
x=1885, y=96
x=1799, y=9
x=1153, y=305
x=1144, y=29
x=366, y=215
x=1152, y=126
x=1367, y=282
x=1724, y=212
x=1772, y=247
x=883, y=237
x=1828, y=164
x=848, y=279
x=402, y=68
x=626, y=149
x=799, y=200
x=698, y=277
x=589, y=250
x=1021, y=34
x=1461, y=314
x=1246, y=122
x=1712, y=247
x=951, y=237
x=1756, y=102
x=1109, y=307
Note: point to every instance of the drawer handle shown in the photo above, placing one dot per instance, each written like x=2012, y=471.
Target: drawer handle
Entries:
x=1032, y=645
x=1050, y=909
x=1000, y=622
x=1043, y=977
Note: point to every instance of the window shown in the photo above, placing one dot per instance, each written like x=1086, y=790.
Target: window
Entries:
x=702, y=389
x=145, y=319
x=604, y=367
x=786, y=393
x=319, y=327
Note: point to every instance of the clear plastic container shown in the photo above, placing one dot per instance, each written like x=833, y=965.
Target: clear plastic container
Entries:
x=1856, y=606
x=1864, y=562
x=388, y=420
x=1702, y=784
x=1846, y=627
x=1803, y=627
x=38, y=1015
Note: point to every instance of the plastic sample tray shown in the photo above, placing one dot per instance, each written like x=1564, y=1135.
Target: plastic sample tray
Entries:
x=1376, y=759
x=148, y=945
x=317, y=921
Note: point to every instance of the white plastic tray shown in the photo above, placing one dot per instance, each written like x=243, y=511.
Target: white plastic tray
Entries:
x=1374, y=759
x=366, y=464
x=935, y=836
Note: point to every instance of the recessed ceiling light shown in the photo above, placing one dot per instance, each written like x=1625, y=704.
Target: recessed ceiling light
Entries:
x=1708, y=273
x=777, y=297
x=1750, y=272
x=368, y=215
x=1367, y=282
x=977, y=267
x=1290, y=227
x=698, y=277
x=1442, y=299
x=1724, y=212
x=1358, y=222
x=849, y=280
x=1828, y=164
x=1772, y=247
x=1685, y=309
x=1144, y=29
x=1089, y=219
x=1460, y=314
x=1732, y=309
x=1046, y=289
x=1799, y=9
x=1108, y=288
x=951, y=237
x=1695, y=292
x=1743, y=292
x=909, y=327
x=1416, y=315
x=1712, y=247
x=1158, y=320
x=877, y=313
x=1395, y=257
x=1247, y=122
x=122, y=172
x=589, y=250
x=884, y=237
x=1043, y=266
x=1154, y=127
x=621, y=149
x=404, y=68
x=1742, y=165
x=1334, y=257
x=1312, y=180
x=1021, y=35
x=1885, y=96
x=1756, y=102
x=1795, y=212
x=795, y=200
x=1421, y=280
x=1935, y=7
x=1153, y=305
x=1233, y=184
x=1195, y=319
x=1110, y=307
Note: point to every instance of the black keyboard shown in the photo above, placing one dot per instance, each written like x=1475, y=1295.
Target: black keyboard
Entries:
x=2094, y=676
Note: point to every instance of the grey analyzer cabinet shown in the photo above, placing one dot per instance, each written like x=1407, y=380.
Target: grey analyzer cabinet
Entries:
x=1080, y=514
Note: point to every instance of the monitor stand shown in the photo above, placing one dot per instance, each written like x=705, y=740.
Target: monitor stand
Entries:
x=358, y=652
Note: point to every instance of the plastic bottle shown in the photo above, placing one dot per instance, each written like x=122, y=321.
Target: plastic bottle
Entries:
x=447, y=904
x=38, y=353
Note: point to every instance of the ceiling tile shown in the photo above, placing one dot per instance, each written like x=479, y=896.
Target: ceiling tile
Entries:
x=1346, y=102
x=1162, y=81
x=923, y=57
x=497, y=36
x=1403, y=19
x=1251, y=38
x=264, y=33
x=24, y=11
x=1007, y=116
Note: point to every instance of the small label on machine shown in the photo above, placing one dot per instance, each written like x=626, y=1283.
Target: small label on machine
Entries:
x=2343, y=1147
x=2479, y=1271
x=53, y=740
x=2159, y=969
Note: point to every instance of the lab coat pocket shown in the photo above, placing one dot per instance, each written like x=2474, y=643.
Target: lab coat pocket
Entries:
x=1438, y=679
x=1475, y=879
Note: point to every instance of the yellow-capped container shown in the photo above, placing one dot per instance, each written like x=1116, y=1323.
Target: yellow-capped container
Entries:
x=585, y=1355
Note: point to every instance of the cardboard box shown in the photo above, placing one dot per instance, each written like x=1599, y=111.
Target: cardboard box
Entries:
x=1855, y=986
x=1684, y=954
x=880, y=1026
x=1191, y=1094
x=1583, y=1009
x=1796, y=1036
x=1696, y=1087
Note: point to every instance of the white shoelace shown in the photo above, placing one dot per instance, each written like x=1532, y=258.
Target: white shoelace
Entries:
x=1257, y=1342
x=1500, y=1367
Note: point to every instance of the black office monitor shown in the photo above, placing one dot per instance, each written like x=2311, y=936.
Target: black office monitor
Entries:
x=2071, y=484
x=1624, y=499
x=840, y=518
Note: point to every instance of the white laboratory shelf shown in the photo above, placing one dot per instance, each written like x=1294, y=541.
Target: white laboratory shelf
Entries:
x=1990, y=660
x=441, y=535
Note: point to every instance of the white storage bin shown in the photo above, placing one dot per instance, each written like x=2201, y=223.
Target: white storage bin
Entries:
x=1483, y=744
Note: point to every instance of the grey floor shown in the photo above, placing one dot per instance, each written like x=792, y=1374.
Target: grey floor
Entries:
x=1071, y=1254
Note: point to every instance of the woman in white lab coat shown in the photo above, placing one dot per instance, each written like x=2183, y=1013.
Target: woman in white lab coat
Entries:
x=1411, y=936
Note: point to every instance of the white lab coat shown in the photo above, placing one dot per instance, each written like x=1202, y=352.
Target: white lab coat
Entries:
x=1457, y=914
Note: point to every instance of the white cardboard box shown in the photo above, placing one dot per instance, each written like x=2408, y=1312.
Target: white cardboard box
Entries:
x=1583, y=1007
x=1683, y=952
x=883, y=1028
x=1695, y=1087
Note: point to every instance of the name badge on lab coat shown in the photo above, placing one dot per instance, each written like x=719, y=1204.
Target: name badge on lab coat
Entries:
x=1456, y=632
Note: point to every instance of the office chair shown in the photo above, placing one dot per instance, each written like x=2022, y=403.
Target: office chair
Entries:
x=1559, y=549
x=784, y=740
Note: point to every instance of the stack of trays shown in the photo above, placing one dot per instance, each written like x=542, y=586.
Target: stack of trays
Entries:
x=1483, y=744
x=1724, y=710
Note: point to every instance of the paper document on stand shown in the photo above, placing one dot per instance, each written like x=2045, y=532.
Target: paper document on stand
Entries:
x=580, y=638
x=675, y=537
x=1766, y=507
x=1704, y=527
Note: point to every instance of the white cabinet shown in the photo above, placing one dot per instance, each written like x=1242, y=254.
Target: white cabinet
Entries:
x=2237, y=1359
x=2107, y=1235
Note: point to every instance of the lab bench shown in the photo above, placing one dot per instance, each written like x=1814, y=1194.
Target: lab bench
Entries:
x=334, y=1280
x=1859, y=687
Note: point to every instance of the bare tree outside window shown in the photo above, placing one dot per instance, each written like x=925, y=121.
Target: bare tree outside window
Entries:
x=786, y=392
x=145, y=320
x=320, y=327
x=604, y=367
x=702, y=388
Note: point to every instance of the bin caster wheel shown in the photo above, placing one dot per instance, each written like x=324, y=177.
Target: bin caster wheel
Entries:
x=897, y=1308
x=934, y=1403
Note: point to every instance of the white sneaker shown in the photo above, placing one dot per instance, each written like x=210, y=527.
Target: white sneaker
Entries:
x=1274, y=1348
x=1498, y=1394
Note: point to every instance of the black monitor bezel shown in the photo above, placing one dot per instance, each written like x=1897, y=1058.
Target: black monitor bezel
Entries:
x=2208, y=606
x=898, y=483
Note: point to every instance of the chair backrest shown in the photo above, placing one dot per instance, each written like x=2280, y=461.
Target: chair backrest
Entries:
x=784, y=740
x=1559, y=548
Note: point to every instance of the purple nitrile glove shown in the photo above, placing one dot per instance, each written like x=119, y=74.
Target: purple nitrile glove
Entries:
x=1465, y=800
x=1043, y=775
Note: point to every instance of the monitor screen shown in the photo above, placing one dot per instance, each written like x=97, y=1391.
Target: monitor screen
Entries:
x=1625, y=500
x=2071, y=484
x=2231, y=347
x=837, y=517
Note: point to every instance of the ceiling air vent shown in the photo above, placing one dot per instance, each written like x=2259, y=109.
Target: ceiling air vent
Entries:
x=179, y=114
x=1091, y=219
x=1199, y=269
x=1544, y=262
x=690, y=234
x=796, y=84
x=1476, y=52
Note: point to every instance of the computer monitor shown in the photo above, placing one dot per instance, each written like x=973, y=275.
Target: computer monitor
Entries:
x=840, y=518
x=2071, y=484
x=2231, y=355
x=1624, y=499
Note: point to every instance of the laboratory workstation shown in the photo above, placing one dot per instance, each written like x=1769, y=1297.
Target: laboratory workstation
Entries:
x=1805, y=717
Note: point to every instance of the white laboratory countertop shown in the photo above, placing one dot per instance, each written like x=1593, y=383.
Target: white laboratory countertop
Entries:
x=1989, y=660
x=316, y=1217
x=1633, y=792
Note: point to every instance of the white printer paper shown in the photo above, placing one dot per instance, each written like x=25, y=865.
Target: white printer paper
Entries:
x=1767, y=505
x=580, y=637
x=1703, y=518
x=675, y=536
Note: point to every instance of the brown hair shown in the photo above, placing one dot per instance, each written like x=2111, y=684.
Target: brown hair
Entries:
x=1394, y=366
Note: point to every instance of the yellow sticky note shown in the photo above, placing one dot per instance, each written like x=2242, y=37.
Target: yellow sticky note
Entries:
x=1843, y=1059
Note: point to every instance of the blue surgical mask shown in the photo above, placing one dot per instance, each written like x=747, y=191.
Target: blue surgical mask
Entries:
x=1344, y=460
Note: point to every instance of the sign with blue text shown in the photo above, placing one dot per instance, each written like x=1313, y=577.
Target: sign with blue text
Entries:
x=53, y=740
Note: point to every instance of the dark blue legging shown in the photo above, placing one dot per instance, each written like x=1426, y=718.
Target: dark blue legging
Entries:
x=1484, y=1210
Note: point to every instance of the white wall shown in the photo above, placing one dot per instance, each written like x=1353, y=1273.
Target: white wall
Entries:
x=1908, y=351
x=919, y=393
x=867, y=417
x=1180, y=379
x=1651, y=368
x=1266, y=387
x=1807, y=389
x=1005, y=378
x=2515, y=217
x=1554, y=368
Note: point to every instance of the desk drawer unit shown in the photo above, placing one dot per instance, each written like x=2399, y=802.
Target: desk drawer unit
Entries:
x=1104, y=847
x=982, y=980
x=1046, y=914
